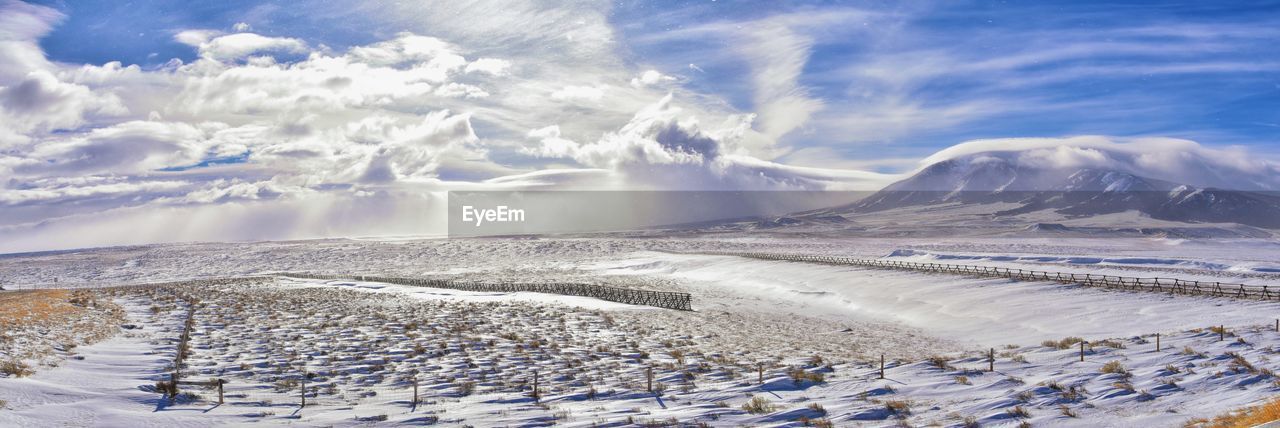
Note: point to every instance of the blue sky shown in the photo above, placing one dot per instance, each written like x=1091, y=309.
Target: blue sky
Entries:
x=252, y=109
x=1202, y=70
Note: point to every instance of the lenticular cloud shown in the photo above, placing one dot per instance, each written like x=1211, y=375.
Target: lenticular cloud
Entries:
x=1169, y=159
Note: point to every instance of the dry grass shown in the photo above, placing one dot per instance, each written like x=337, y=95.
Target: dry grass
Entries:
x=15, y=368
x=799, y=376
x=823, y=423
x=898, y=407
x=940, y=362
x=1115, y=367
x=38, y=327
x=1065, y=343
x=1110, y=343
x=20, y=308
x=758, y=406
x=1247, y=417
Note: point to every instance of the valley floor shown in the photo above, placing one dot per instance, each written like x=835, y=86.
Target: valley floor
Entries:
x=769, y=343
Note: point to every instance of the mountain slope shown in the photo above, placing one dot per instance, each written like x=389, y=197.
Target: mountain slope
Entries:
x=991, y=178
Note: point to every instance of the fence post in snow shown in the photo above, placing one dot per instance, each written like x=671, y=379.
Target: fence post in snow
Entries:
x=415, y=391
x=881, y=366
x=760, y=373
x=1157, y=342
x=648, y=376
x=1082, y=351
x=991, y=360
x=1222, y=332
x=220, y=383
x=173, y=386
x=304, y=389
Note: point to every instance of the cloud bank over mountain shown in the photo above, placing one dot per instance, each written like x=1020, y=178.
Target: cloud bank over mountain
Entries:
x=1169, y=159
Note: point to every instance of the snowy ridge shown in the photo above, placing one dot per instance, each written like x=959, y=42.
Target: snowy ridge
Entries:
x=1074, y=191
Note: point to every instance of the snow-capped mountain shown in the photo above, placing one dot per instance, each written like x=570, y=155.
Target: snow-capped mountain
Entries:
x=1000, y=177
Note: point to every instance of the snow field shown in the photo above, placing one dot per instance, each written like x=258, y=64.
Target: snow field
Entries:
x=473, y=362
x=818, y=330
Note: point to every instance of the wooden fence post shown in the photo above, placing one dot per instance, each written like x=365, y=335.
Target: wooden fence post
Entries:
x=1082, y=351
x=304, y=389
x=991, y=360
x=220, y=382
x=881, y=366
x=648, y=376
x=173, y=385
x=1222, y=332
x=1157, y=342
x=415, y=391
x=535, y=387
x=760, y=373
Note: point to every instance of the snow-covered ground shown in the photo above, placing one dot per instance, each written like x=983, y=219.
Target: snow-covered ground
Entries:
x=473, y=355
x=979, y=312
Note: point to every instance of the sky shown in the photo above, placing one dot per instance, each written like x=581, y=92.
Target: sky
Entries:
x=163, y=121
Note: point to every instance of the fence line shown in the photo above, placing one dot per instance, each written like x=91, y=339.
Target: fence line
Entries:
x=117, y=285
x=658, y=299
x=1160, y=285
x=183, y=348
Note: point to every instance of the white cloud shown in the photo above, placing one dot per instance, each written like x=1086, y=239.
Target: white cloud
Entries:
x=653, y=136
x=493, y=66
x=63, y=191
x=353, y=120
x=41, y=102
x=775, y=50
x=574, y=93
x=317, y=215
x=127, y=148
x=242, y=27
x=830, y=158
x=1171, y=159
x=428, y=53
x=215, y=46
x=223, y=190
x=195, y=37
x=650, y=78
x=661, y=148
x=21, y=26
x=460, y=90
x=551, y=144
x=778, y=56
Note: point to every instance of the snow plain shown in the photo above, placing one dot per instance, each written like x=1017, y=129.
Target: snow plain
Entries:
x=818, y=332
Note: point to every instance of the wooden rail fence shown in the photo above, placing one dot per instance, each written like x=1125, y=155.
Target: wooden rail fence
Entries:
x=122, y=285
x=1160, y=285
x=658, y=299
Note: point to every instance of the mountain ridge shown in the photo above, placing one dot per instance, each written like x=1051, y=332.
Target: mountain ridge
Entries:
x=984, y=178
